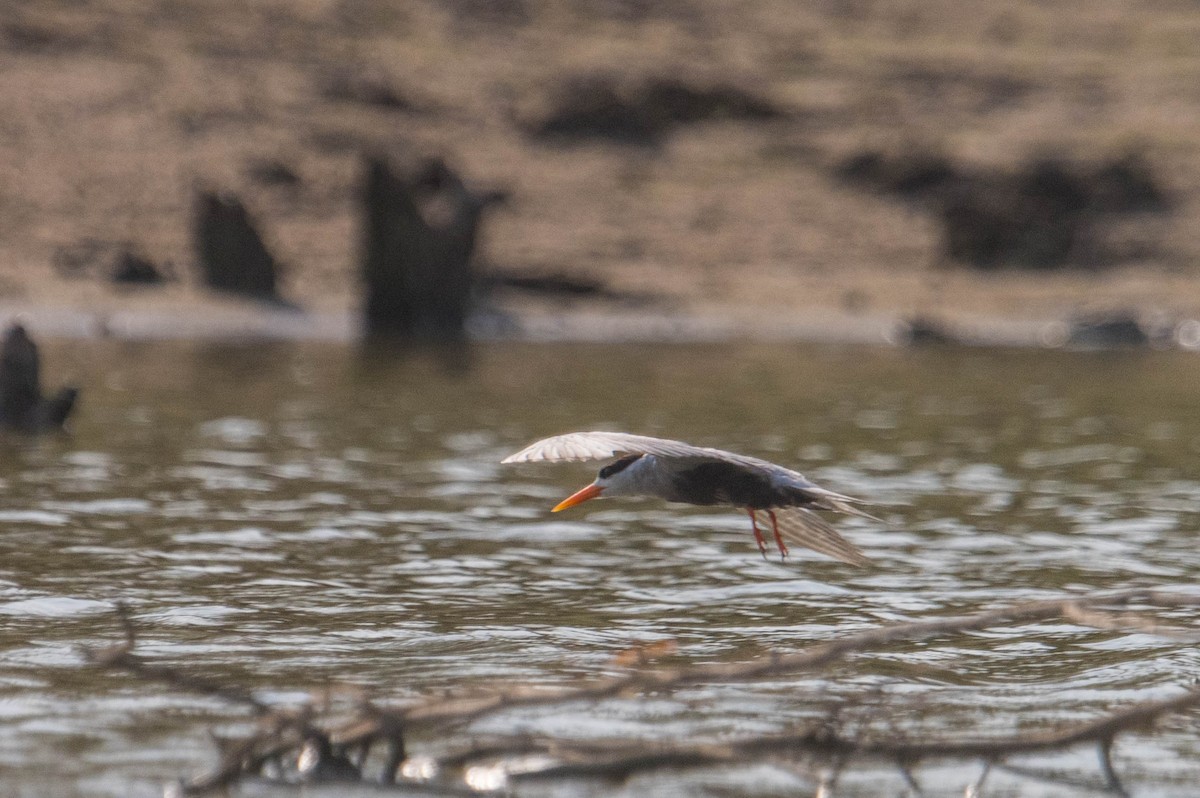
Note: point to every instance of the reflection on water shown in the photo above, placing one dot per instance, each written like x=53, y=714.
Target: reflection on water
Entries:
x=287, y=515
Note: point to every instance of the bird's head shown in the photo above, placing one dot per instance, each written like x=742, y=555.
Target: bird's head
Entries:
x=615, y=479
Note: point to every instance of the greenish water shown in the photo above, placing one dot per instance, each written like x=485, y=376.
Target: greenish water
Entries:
x=290, y=515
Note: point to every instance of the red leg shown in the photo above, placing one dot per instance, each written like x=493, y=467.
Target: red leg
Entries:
x=758, y=538
x=783, y=551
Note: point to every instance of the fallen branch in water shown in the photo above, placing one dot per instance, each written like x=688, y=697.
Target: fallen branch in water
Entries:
x=623, y=759
x=442, y=711
x=121, y=657
x=291, y=745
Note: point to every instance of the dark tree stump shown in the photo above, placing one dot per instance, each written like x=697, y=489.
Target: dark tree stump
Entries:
x=230, y=251
x=22, y=406
x=419, y=233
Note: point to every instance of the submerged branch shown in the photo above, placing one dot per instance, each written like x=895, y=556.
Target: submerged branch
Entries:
x=314, y=752
x=1127, y=622
x=121, y=657
x=621, y=759
x=458, y=710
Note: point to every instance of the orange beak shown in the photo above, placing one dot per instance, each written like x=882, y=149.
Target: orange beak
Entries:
x=578, y=497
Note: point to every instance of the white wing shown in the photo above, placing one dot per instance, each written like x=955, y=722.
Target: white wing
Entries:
x=606, y=445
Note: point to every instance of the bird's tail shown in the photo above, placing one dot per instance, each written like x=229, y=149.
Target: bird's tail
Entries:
x=805, y=528
x=838, y=502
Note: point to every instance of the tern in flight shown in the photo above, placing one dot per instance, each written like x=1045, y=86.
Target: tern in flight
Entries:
x=680, y=472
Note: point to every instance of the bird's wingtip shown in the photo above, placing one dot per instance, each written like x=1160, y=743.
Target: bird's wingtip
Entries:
x=859, y=561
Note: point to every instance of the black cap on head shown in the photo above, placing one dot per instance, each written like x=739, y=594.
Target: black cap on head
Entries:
x=617, y=466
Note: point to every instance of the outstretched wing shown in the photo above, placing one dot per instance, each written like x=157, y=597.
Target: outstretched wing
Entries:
x=578, y=446
x=606, y=445
x=805, y=528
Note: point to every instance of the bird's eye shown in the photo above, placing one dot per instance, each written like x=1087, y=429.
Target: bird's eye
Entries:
x=618, y=466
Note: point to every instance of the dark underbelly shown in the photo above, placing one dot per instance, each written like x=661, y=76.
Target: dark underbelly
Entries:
x=723, y=483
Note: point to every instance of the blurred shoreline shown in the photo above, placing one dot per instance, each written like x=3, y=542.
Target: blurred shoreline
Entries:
x=741, y=170
x=243, y=321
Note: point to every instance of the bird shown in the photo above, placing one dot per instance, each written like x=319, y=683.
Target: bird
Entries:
x=680, y=472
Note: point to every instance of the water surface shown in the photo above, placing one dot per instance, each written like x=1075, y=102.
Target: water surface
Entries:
x=290, y=515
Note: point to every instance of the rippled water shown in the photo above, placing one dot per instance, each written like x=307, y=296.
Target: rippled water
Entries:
x=290, y=515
